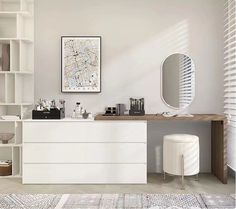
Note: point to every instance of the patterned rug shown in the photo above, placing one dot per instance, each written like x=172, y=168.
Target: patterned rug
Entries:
x=116, y=201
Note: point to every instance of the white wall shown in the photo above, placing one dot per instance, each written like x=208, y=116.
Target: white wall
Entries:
x=137, y=35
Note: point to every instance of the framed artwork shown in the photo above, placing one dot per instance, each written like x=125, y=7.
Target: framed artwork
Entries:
x=81, y=64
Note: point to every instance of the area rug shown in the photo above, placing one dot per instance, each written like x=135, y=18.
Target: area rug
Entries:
x=116, y=201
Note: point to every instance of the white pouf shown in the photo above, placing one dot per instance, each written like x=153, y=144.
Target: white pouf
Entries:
x=181, y=154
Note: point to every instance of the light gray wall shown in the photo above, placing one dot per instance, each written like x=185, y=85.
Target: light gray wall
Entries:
x=137, y=35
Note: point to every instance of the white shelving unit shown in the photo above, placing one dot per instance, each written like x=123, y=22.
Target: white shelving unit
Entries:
x=16, y=84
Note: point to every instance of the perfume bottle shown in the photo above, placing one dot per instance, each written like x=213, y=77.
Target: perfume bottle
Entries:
x=77, y=110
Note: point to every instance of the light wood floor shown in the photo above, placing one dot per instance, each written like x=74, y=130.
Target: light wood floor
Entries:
x=207, y=184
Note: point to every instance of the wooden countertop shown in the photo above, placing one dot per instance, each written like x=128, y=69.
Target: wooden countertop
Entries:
x=155, y=117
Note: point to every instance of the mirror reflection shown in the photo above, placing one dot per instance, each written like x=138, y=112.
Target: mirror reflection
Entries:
x=178, y=81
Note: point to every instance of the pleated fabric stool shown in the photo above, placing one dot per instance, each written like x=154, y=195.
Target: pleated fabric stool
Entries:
x=181, y=155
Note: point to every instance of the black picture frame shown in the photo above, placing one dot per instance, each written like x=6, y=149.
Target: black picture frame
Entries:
x=100, y=64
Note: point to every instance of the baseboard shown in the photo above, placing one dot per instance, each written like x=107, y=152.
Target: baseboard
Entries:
x=231, y=172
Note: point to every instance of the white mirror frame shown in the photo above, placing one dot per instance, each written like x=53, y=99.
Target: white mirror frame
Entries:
x=161, y=83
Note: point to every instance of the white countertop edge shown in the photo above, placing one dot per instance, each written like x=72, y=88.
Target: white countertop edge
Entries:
x=79, y=120
x=60, y=120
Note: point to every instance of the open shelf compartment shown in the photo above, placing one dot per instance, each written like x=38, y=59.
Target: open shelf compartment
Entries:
x=5, y=55
x=10, y=88
x=16, y=161
x=7, y=88
x=27, y=5
x=18, y=133
x=21, y=56
x=2, y=88
x=24, y=88
x=14, y=154
x=16, y=25
x=10, y=110
x=26, y=57
x=25, y=23
x=8, y=128
x=14, y=55
x=10, y=5
x=16, y=82
x=8, y=25
x=6, y=154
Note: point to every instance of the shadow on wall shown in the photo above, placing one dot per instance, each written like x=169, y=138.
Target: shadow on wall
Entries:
x=137, y=36
x=142, y=63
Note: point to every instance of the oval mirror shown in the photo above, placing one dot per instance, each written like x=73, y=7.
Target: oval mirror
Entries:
x=178, y=81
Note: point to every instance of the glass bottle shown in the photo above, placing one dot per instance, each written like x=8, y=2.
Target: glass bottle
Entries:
x=77, y=110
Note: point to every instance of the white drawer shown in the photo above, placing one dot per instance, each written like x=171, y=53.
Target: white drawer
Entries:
x=84, y=174
x=96, y=131
x=84, y=152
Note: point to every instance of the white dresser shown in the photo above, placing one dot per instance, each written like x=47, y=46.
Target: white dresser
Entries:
x=84, y=152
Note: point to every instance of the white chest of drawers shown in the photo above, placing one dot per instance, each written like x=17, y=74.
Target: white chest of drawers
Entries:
x=84, y=152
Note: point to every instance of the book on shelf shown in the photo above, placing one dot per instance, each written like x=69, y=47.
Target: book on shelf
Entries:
x=4, y=57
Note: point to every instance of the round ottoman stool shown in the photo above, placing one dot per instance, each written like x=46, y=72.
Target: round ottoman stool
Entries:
x=181, y=155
